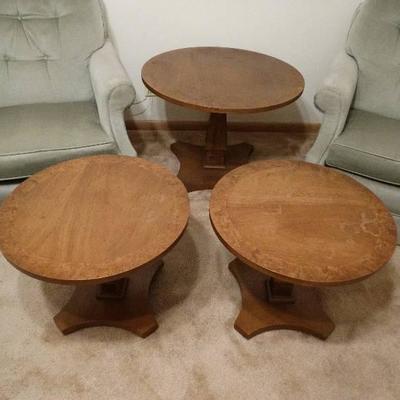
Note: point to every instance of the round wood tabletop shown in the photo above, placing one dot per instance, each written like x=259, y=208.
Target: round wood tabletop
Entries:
x=222, y=80
x=92, y=219
x=302, y=223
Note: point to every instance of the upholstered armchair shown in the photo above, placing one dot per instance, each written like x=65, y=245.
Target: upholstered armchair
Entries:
x=63, y=90
x=360, y=99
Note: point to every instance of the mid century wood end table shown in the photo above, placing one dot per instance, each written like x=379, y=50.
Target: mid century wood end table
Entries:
x=101, y=223
x=219, y=81
x=294, y=226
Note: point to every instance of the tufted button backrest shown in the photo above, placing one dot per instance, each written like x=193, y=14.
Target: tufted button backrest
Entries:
x=374, y=42
x=45, y=46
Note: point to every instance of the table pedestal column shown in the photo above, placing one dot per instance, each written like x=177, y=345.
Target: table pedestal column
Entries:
x=268, y=304
x=123, y=303
x=202, y=167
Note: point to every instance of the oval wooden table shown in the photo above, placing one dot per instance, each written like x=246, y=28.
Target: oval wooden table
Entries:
x=99, y=223
x=294, y=226
x=219, y=80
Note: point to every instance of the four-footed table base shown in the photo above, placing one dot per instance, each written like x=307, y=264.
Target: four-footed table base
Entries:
x=122, y=303
x=195, y=175
x=268, y=304
x=203, y=166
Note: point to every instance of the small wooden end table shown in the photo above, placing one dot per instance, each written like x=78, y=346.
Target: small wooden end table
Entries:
x=219, y=80
x=294, y=226
x=103, y=224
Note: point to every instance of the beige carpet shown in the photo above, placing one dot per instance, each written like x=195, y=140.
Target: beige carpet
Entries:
x=196, y=353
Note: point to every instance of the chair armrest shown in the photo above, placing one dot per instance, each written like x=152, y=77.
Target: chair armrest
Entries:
x=113, y=93
x=337, y=92
x=334, y=99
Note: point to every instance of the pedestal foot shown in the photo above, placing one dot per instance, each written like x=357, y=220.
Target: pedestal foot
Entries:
x=203, y=166
x=115, y=304
x=192, y=171
x=258, y=315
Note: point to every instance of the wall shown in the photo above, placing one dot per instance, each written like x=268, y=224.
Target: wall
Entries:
x=305, y=33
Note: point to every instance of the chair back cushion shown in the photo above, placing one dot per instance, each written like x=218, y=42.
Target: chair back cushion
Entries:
x=45, y=46
x=374, y=42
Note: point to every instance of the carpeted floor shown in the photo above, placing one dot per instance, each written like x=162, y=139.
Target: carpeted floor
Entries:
x=196, y=354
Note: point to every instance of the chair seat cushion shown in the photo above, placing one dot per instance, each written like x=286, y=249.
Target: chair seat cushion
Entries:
x=369, y=146
x=35, y=136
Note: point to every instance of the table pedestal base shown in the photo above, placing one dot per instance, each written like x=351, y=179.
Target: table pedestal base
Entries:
x=203, y=166
x=123, y=304
x=302, y=311
x=192, y=172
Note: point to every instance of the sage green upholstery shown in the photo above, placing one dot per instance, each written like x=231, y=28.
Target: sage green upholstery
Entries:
x=63, y=90
x=369, y=146
x=374, y=43
x=360, y=99
x=55, y=132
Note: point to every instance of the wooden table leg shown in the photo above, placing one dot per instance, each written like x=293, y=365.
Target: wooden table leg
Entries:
x=202, y=167
x=268, y=305
x=216, y=142
x=123, y=303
